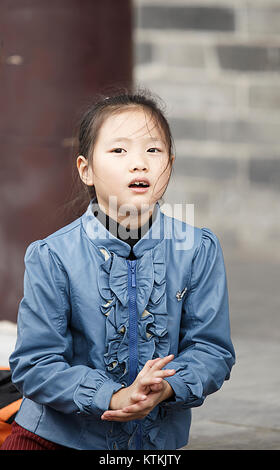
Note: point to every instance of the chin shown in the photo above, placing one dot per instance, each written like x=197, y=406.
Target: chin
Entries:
x=135, y=206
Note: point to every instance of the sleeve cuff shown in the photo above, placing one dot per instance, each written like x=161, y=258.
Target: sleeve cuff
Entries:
x=102, y=397
x=183, y=397
x=94, y=394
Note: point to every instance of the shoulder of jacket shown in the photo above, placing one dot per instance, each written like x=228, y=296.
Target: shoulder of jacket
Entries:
x=58, y=239
x=64, y=231
x=181, y=232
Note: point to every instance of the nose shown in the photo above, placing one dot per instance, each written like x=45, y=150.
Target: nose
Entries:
x=138, y=163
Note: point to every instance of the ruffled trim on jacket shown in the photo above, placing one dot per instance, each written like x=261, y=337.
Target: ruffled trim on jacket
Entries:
x=153, y=339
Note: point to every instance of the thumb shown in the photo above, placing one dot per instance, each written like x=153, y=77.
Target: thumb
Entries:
x=156, y=387
x=136, y=396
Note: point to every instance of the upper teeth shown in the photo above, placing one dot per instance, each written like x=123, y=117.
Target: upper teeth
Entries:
x=139, y=182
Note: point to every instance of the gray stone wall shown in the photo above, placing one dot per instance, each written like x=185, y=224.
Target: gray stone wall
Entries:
x=216, y=65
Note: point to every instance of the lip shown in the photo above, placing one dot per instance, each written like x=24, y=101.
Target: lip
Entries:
x=139, y=190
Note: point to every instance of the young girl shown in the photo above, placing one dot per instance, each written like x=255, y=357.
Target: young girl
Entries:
x=124, y=323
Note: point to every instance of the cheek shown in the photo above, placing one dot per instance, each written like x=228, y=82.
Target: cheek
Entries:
x=104, y=170
x=162, y=176
x=162, y=168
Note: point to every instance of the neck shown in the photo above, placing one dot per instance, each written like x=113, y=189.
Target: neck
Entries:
x=134, y=221
x=122, y=230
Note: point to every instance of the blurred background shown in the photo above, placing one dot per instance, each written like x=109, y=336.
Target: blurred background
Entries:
x=216, y=65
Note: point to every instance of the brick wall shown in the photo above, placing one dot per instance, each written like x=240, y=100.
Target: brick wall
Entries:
x=216, y=65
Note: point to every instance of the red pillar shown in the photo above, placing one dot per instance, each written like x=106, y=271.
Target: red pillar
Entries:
x=54, y=57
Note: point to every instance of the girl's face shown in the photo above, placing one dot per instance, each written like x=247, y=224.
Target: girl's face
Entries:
x=129, y=146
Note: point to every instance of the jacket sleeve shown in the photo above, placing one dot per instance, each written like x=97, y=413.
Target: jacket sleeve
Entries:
x=206, y=354
x=41, y=362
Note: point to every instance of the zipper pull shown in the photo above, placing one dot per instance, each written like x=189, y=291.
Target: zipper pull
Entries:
x=133, y=277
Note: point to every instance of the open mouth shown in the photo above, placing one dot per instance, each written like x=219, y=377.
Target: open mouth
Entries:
x=139, y=185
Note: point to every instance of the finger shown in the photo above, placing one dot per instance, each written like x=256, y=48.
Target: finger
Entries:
x=150, y=380
x=132, y=408
x=140, y=407
x=162, y=362
x=149, y=364
x=156, y=377
x=143, y=407
x=112, y=414
x=120, y=415
x=156, y=359
x=136, y=407
x=165, y=373
x=138, y=397
x=156, y=387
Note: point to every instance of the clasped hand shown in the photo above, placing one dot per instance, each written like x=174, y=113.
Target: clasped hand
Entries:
x=148, y=389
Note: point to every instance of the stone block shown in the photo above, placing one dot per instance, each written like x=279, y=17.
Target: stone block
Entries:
x=239, y=131
x=249, y=58
x=187, y=128
x=185, y=96
x=142, y=53
x=209, y=167
x=265, y=96
x=264, y=20
x=180, y=55
x=186, y=18
x=265, y=171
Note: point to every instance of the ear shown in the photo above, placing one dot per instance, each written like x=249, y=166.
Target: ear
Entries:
x=85, y=170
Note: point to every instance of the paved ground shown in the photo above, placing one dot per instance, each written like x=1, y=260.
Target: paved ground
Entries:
x=245, y=413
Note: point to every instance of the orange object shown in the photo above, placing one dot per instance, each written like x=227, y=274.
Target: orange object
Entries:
x=7, y=414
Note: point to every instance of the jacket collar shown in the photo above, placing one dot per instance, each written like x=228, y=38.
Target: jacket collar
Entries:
x=102, y=237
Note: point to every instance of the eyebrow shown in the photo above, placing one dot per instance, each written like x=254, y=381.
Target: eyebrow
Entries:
x=126, y=139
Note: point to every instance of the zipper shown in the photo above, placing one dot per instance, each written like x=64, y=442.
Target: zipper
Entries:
x=133, y=338
x=133, y=333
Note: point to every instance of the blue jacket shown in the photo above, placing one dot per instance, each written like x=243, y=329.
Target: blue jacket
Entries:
x=90, y=319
